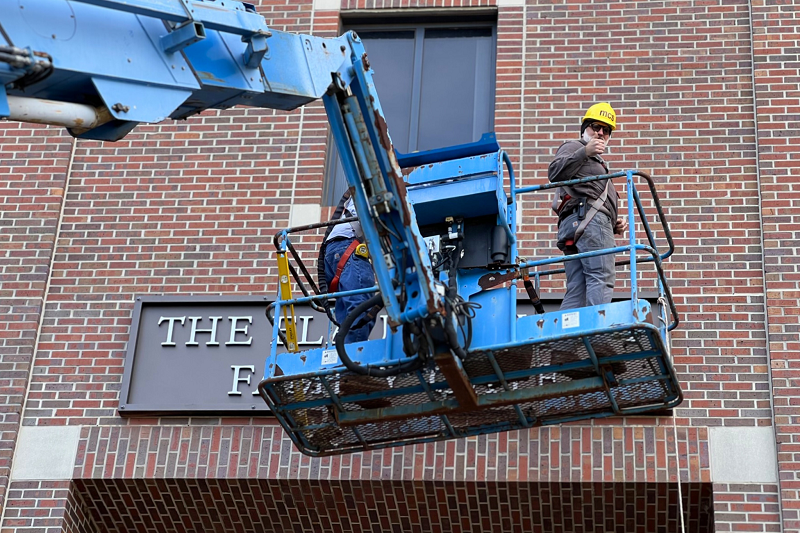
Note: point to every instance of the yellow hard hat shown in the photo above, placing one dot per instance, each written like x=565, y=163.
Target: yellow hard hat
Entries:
x=601, y=112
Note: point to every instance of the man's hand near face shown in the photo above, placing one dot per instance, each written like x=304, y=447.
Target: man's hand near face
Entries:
x=595, y=147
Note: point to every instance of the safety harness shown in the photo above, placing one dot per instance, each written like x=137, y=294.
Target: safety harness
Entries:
x=356, y=247
x=564, y=194
x=594, y=208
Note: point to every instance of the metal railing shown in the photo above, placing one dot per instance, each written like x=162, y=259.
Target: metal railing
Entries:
x=632, y=247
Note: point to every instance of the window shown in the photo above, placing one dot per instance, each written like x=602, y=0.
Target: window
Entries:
x=436, y=85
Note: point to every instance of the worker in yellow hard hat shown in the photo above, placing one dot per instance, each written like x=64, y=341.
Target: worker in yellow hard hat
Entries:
x=587, y=212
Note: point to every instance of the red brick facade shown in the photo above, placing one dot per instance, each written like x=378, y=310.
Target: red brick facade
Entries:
x=33, y=163
x=707, y=96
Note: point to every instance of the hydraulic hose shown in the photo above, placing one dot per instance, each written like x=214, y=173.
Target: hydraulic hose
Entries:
x=362, y=370
x=452, y=293
x=450, y=332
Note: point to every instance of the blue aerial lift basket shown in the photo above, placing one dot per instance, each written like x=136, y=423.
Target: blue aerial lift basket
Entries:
x=517, y=372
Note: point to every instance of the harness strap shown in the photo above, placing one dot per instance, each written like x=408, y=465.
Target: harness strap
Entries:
x=558, y=201
x=595, y=207
x=342, y=262
x=535, y=301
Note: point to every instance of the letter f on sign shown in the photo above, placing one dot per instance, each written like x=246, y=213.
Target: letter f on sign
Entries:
x=237, y=378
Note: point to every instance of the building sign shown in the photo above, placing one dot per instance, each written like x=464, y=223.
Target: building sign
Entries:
x=206, y=355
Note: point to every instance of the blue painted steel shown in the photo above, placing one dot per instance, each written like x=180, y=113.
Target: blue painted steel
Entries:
x=476, y=196
x=165, y=10
x=88, y=42
x=317, y=297
x=388, y=272
x=487, y=144
x=8, y=74
x=474, y=188
x=182, y=37
x=404, y=262
x=389, y=414
x=392, y=415
x=4, y=109
x=632, y=238
x=472, y=166
x=376, y=352
x=234, y=17
x=256, y=50
x=109, y=52
x=643, y=218
x=632, y=199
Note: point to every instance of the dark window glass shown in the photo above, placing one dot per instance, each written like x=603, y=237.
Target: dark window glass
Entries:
x=457, y=93
x=436, y=86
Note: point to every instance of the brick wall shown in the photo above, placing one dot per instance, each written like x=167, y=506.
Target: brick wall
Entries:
x=746, y=507
x=568, y=478
x=77, y=514
x=42, y=506
x=354, y=506
x=191, y=207
x=251, y=478
x=776, y=53
x=33, y=162
x=559, y=454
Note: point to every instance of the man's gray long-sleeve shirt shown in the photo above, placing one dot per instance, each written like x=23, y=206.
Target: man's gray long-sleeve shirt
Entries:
x=571, y=162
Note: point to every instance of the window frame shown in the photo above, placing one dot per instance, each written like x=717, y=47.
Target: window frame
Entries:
x=488, y=21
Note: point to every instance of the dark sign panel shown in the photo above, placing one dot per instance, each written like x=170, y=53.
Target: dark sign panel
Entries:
x=206, y=355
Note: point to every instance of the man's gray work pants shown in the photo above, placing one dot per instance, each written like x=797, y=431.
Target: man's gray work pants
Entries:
x=590, y=281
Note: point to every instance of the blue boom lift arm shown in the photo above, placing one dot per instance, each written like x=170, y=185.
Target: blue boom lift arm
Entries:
x=458, y=360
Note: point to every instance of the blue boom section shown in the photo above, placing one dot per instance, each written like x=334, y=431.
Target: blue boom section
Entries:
x=148, y=60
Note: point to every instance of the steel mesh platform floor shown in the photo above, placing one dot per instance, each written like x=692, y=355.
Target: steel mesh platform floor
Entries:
x=541, y=383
